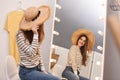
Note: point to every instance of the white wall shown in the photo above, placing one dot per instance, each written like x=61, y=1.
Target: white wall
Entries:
x=7, y=6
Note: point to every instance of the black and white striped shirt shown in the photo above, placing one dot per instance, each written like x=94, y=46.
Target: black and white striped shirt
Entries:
x=27, y=51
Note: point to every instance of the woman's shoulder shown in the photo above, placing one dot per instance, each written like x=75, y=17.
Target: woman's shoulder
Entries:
x=19, y=32
x=74, y=46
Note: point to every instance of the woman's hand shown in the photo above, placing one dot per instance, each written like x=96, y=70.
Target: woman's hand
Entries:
x=90, y=51
x=45, y=72
x=35, y=28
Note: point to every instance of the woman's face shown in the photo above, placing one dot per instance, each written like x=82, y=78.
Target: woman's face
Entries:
x=81, y=41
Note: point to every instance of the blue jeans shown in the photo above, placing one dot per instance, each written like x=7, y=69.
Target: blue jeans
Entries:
x=35, y=74
x=69, y=74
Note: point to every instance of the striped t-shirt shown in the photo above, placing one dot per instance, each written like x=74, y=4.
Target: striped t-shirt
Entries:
x=28, y=52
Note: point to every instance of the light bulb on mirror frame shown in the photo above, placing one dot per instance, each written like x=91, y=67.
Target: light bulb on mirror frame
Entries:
x=98, y=63
x=56, y=19
x=100, y=32
x=100, y=48
x=55, y=33
x=53, y=46
x=97, y=78
x=58, y=6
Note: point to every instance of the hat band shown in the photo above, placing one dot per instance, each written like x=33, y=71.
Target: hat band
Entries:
x=36, y=16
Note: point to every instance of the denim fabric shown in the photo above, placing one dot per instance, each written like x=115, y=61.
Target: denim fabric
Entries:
x=69, y=74
x=35, y=74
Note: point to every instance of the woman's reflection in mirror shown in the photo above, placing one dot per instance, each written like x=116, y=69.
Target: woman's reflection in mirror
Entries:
x=79, y=54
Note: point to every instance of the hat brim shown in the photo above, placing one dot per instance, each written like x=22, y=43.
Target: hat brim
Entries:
x=44, y=15
x=89, y=34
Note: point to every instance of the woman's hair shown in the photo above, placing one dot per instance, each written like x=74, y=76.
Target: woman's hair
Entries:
x=29, y=34
x=83, y=48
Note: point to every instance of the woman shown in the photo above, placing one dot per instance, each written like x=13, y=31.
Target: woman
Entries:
x=79, y=54
x=29, y=37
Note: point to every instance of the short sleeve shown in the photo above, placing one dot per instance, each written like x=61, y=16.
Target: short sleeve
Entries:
x=7, y=24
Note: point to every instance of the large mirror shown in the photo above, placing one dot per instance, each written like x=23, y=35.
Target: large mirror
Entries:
x=70, y=16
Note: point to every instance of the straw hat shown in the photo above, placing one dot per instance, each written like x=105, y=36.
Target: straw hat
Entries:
x=89, y=34
x=34, y=16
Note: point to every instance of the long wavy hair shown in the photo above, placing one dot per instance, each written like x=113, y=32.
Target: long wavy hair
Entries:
x=29, y=34
x=83, y=49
